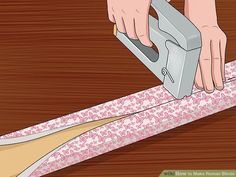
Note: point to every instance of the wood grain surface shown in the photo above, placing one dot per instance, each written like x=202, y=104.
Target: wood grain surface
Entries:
x=59, y=57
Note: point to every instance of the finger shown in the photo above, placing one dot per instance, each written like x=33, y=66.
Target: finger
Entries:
x=205, y=66
x=198, y=79
x=111, y=17
x=110, y=12
x=130, y=28
x=120, y=24
x=142, y=29
x=223, y=42
x=216, y=65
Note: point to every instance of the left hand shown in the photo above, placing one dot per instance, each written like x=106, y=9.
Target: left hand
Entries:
x=211, y=68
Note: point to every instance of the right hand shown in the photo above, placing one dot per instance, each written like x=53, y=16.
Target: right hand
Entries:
x=131, y=17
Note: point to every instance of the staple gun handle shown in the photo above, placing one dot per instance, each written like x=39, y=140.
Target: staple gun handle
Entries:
x=178, y=26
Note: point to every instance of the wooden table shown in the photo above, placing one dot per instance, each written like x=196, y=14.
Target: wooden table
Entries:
x=59, y=57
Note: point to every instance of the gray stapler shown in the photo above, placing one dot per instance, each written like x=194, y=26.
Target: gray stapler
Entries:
x=179, y=45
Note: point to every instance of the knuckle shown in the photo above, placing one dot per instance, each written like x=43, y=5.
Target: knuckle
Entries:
x=112, y=9
x=132, y=36
x=123, y=11
x=142, y=36
x=205, y=59
x=137, y=11
x=216, y=58
x=141, y=11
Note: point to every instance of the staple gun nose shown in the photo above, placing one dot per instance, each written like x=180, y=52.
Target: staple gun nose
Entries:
x=179, y=45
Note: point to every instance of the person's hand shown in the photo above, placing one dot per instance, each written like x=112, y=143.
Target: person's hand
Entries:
x=210, y=72
x=131, y=17
x=211, y=67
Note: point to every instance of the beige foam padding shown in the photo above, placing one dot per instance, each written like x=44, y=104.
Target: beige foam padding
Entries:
x=115, y=30
x=16, y=158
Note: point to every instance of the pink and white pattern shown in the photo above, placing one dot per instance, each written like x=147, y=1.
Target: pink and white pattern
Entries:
x=153, y=111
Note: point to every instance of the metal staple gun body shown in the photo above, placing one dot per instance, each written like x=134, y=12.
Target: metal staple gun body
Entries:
x=179, y=45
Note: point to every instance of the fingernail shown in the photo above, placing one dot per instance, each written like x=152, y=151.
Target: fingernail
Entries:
x=219, y=87
x=209, y=90
x=198, y=87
